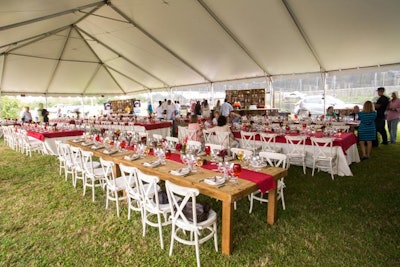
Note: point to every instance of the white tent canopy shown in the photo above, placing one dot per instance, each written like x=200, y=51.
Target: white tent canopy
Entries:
x=92, y=47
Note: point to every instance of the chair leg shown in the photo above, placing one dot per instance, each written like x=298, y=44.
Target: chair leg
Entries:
x=160, y=231
x=196, y=237
x=282, y=199
x=251, y=203
x=117, y=202
x=215, y=236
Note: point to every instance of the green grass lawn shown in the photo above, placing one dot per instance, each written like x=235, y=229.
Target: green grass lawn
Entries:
x=351, y=221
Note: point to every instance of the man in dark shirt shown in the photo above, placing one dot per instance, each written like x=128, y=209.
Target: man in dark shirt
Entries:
x=380, y=107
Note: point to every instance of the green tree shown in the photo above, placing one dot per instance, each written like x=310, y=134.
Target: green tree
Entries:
x=10, y=108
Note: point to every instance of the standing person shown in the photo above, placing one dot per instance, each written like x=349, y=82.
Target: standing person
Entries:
x=170, y=110
x=160, y=111
x=217, y=106
x=380, y=107
x=367, y=130
x=150, y=109
x=26, y=115
x=205, y=109
x=165, y=105
x=226, y=109
x=393, y=116
x=177, y=108
x=45, y=115
x=197, y=108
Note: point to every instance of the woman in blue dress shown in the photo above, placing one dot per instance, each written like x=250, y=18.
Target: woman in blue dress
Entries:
x=366, y=130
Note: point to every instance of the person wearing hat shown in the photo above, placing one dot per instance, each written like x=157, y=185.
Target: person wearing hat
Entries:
x=380, y=107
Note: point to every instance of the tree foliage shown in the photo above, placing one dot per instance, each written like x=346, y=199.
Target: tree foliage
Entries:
x=10, y=108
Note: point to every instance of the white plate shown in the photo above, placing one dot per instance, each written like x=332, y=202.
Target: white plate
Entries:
x=109, y=152
x=181, y=172
x=77, y=140
x=216, y=180
x=97, y=147
x=262, y=165
x=132, y=157
x=227, y=158
x=152, y=163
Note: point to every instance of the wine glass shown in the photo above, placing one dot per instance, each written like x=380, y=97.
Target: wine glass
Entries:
x=146, y=150
x=207, y=150
x=240, y=155
x=237, y=169
x=199, y=162
x=167, y=154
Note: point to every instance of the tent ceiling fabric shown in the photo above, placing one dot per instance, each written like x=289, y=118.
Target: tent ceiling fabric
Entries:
x=92, y=47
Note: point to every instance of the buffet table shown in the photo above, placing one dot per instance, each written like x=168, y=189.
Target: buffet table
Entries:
x=347, y=151
x=50, y=137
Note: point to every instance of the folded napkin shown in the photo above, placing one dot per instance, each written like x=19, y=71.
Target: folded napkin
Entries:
x=110, y=151
x=132, y=157
x=78, y=140
x=181, y=172
x=215, y=180
x=152, y=163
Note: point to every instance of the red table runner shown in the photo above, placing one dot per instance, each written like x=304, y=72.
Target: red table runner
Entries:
x=42, y=135
x=264, y=181
x=154, y=125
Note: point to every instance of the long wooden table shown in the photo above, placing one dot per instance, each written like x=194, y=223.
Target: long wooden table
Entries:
x=228, y=194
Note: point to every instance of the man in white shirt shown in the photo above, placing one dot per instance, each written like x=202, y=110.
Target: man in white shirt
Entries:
x=177, y=107
x=226, y=109
x=170, y=110
x=27, y=116
x=164, y=105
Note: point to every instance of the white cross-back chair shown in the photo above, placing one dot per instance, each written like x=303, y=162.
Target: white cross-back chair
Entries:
x=77, y=161
x=171, y=142
x=65, y=150
x=194, y=146
x=338, y=123
x=30, y=145
x=276, y=160
x=342, y=128
x=130, y=175
x=200, y=232
x=208, y=135
x=157, y=137
x=94, y=177
x=61, y=158
x=248, y=141
x=113, y=185
x=222, y=138
x=296, y=150
x=269, y=142
x=325, y=155
x=192, y=134
x=182, y=133
x=154, y=214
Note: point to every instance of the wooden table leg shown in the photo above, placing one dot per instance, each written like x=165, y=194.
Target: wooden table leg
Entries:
x=227, y=227
x=272, y=206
